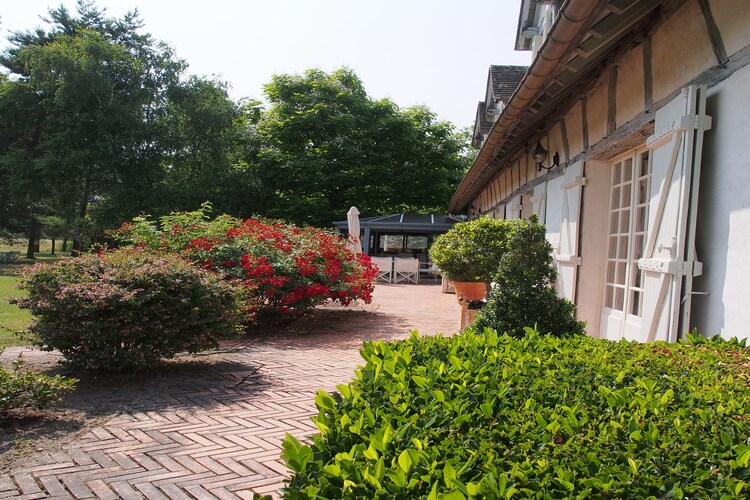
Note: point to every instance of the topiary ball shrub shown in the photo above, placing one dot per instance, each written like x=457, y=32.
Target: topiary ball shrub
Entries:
x=127, y=309
x=482, y=415
x=471, y=251
x=522, y=293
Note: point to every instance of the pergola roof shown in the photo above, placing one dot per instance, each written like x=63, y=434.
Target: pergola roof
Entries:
x=419, y=223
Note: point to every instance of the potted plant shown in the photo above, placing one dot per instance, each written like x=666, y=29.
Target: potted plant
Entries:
x=469, y=254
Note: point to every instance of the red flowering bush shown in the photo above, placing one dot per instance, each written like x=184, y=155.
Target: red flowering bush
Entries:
x=282, y=269
x=127, y=309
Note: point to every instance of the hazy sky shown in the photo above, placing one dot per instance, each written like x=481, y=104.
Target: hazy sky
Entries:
x=433, y=52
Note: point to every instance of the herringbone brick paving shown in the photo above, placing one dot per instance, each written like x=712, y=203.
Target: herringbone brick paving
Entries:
x=218, y=433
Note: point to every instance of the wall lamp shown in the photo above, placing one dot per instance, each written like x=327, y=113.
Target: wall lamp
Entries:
x=540, y=156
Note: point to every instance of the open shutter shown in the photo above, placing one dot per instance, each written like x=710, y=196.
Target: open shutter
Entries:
x=539, y=201
x=567, y=257
x=513, y=209
x=668, y=262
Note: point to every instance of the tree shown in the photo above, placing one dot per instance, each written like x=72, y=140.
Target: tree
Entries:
x=326, y=146
x=91, y=90
x=207, y=150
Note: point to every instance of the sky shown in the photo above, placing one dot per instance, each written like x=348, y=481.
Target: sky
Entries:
x=415, y=52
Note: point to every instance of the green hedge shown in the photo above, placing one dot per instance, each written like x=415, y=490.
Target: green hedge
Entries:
x=489, y=416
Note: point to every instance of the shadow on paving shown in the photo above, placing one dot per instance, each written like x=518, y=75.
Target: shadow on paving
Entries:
x=234, y=373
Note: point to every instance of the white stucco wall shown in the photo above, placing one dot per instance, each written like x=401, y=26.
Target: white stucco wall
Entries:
x=723, y=236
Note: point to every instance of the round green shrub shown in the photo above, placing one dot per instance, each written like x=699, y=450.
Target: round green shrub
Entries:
x=522, y=293
x=471, y=251
x=127, y=309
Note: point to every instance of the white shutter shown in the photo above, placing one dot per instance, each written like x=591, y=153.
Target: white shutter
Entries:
x=513, y=209
x=669, y=257
x=553, y=218
x=539, y=201
x=567, y=257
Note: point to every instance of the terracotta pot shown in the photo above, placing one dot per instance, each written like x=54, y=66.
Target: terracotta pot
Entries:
x=467, y=291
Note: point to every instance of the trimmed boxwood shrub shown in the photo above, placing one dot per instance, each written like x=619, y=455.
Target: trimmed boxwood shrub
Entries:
x=523, y=291
x=471, y=251
x=127, y=309
x=492, y=416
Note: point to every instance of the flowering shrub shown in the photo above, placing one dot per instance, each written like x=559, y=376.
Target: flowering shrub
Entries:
x=126, y=309
x=283, y=270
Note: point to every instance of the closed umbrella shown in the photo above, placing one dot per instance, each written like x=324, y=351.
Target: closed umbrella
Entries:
x=352, y=218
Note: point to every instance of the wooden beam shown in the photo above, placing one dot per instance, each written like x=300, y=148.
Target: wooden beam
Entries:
x=612, y=100
x=585, y=124
x=648, y=74
x=713, y=32
x=566, y=143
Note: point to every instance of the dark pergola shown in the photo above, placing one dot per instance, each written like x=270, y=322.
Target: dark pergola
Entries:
x=397, y=234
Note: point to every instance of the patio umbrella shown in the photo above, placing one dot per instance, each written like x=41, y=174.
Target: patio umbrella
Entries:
x=352, y=218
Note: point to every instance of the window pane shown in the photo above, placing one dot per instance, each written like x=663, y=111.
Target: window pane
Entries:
x=620, y=273
x=608, y=297
x=612, y=247
x=416, y=243
x=616, y=198
x=640, y=219
x=635, y=303
x=626, y=194
x=638, y=243
x=614, y=218
x=610, y=272
x=645, y=167
x=617, y=174
x=625, y=221
x=619, y=299
x=622, y=252
x=643, y=191
x=627, y=169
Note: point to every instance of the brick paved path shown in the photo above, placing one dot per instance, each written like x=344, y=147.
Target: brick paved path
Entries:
x=217, y=433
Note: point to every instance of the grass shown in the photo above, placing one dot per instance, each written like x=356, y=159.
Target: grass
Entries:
x=13, y=319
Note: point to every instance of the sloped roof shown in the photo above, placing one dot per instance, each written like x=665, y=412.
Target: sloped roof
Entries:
x=582, y=36
x=504, y=80
x=484, y=125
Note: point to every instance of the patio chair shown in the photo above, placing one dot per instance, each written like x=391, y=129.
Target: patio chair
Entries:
x=385, y=268
x=430, y=269
x=406, y=269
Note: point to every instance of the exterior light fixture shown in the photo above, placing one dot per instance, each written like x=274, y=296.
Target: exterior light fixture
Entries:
x=540, y=156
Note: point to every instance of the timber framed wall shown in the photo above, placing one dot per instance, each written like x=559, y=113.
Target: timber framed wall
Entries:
x=697, y=42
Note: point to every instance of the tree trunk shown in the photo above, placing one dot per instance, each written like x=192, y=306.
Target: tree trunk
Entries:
x=65, y=244
x=52, y=252
x=83, y=205
x=33, y=236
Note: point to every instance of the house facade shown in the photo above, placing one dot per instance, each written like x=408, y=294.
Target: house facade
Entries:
x=629, y=136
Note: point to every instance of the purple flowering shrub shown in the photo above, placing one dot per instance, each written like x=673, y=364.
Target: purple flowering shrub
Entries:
x=127, y=309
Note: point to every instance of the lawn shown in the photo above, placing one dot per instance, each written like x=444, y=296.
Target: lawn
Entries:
x=13, y=319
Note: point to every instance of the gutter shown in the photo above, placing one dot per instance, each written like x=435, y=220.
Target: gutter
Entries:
x=565, y=31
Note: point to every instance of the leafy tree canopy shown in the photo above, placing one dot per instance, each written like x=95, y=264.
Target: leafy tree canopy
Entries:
x=326, y=146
